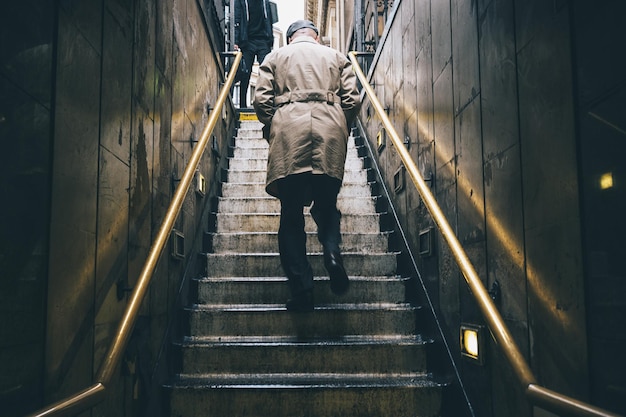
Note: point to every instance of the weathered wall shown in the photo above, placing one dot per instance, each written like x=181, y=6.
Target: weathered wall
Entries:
x=483, y=92
x=133, y=82
x=26, y=59
x=601, y=111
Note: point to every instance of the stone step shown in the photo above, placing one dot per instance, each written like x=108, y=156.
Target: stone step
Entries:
x=250, y=153
x=269, y=222
x=252, y=149
x=239, y=177
x=258, y=190
x=249, y=143
x=244, y=177
x=268, y=204
x=253, y=133
x=274, y=290
x=329, y=321
x=259, y=164
x=251, y=137
x=268, y=264
x=288, y=354
x=329, y=395
x=267, y=242
x=248, y=117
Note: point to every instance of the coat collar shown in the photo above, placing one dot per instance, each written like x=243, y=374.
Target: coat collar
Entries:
x=303, y=38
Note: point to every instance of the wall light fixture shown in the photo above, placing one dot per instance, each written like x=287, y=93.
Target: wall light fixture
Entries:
x=473, y=342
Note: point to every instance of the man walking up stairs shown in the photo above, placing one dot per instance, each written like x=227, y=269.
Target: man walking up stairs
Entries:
x=247, y=355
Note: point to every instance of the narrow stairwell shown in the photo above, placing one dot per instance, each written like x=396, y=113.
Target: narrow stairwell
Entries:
x=245, y=355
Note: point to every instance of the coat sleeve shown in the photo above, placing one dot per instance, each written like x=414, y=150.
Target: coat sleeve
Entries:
x=264, y=93
x=349, y=93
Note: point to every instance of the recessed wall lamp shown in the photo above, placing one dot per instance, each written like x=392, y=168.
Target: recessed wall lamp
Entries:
x=426, y=242
x=399, y=179
x=381, y=139
x=473, y=344
x=200, y=184
x=178, y=244
x=606, y=181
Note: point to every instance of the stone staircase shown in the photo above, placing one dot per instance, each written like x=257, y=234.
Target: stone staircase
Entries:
x=245, y=355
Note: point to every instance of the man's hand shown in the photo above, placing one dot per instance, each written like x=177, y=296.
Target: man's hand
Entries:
x=266, y=132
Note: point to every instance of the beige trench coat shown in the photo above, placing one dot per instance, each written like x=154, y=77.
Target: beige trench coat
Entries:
x=307, y=94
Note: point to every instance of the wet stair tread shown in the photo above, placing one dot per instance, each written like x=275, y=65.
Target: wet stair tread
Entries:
x=347, y=340
x=307, y=380
x=356, y=278
x=281, y=307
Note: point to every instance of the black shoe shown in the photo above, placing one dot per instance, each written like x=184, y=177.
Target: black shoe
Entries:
x=301, y=303
x=338, y=278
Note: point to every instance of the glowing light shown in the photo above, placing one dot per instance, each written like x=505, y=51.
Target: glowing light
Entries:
x=471, y=339
x=606, y=181
x=470, y=342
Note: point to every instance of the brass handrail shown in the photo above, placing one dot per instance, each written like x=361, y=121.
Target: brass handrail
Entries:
x=537, y=394
x=94, y=394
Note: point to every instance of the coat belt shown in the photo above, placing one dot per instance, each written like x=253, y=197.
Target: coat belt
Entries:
x=304, y=96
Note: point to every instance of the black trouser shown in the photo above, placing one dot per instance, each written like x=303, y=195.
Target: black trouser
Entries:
x=258, y=49
x=295, y=192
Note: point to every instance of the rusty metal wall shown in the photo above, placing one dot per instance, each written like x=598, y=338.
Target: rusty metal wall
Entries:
x=485, y=94
x=128, y=93
x=601, y=111
x=26, y=49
